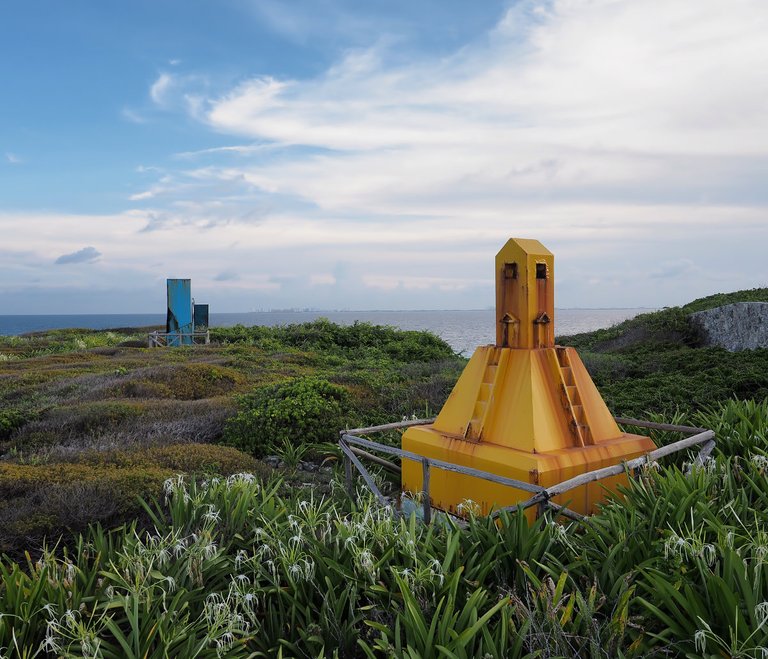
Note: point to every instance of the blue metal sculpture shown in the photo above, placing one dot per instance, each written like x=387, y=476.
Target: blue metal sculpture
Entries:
x=179, y=320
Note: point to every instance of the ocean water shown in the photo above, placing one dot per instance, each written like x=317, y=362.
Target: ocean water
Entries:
x=463, y=330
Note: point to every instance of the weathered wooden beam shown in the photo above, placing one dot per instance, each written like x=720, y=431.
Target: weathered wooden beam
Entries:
x=566, y=512
x=701, y=458
x=376, y=460
x=625, y=421
x=364, y=473
x=535, y=500
x=387, y=426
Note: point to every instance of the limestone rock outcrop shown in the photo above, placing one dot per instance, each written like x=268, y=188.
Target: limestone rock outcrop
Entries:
x=735, y=327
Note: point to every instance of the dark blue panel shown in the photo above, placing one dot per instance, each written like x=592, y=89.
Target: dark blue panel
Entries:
x=201, y=317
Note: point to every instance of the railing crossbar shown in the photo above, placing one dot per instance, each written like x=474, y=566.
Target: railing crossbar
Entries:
x=389, y=426
x=686, y=430
x=614, y=470
x=161, y=339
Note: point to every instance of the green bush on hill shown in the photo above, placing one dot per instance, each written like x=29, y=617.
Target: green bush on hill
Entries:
x=721, y=299
x=306, y=410
x=324, y=336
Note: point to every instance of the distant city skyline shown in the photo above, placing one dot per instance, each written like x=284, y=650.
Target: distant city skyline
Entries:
x=333, y=154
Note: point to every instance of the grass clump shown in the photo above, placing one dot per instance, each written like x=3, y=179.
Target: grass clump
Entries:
x=51, y=342
x=11, y=420
x=178, y=381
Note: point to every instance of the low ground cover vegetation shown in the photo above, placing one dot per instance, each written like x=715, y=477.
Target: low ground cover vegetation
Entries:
x=241, y=567
x=94, y=417
x=236, y=558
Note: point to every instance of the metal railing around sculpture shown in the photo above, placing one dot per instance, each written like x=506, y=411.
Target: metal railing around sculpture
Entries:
x=354, y=449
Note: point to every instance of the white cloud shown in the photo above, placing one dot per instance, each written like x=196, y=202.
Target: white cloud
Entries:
x=180, y=92
x=239, y=149
x=12, y=158
x=304, y=20
x=163, y=186
x=322, y=279
x=161, y=88
x=140, y=196
x=133, y=116
x=602, y=95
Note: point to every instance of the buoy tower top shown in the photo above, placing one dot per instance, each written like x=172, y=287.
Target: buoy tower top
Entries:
x=525, y=295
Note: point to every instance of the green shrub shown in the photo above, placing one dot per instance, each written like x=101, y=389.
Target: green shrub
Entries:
x=11, y=420
x=305, y=410
x=741, y=427
x=324, y=336
x=720, y=299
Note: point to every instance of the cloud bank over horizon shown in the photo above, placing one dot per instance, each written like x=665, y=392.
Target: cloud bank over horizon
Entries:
x=630, y=138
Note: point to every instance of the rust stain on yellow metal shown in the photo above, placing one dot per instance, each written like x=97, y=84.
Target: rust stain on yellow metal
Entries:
x=523, y=408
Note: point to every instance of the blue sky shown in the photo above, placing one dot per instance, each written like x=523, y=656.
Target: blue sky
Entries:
x=376, y=154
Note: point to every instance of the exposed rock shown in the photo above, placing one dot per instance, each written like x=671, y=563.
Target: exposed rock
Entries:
x=735, y=327
x=273, y=461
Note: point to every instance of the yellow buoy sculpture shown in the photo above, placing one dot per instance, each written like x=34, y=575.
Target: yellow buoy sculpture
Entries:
x=523, y=408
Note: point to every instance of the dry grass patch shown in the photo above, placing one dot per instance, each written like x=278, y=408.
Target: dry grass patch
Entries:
x=192, y=381
x=46, y=500
x=64, y=432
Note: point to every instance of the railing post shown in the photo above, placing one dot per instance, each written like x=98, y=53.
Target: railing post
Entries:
x=348, y=473
x=702, y=456
x=425, y=491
